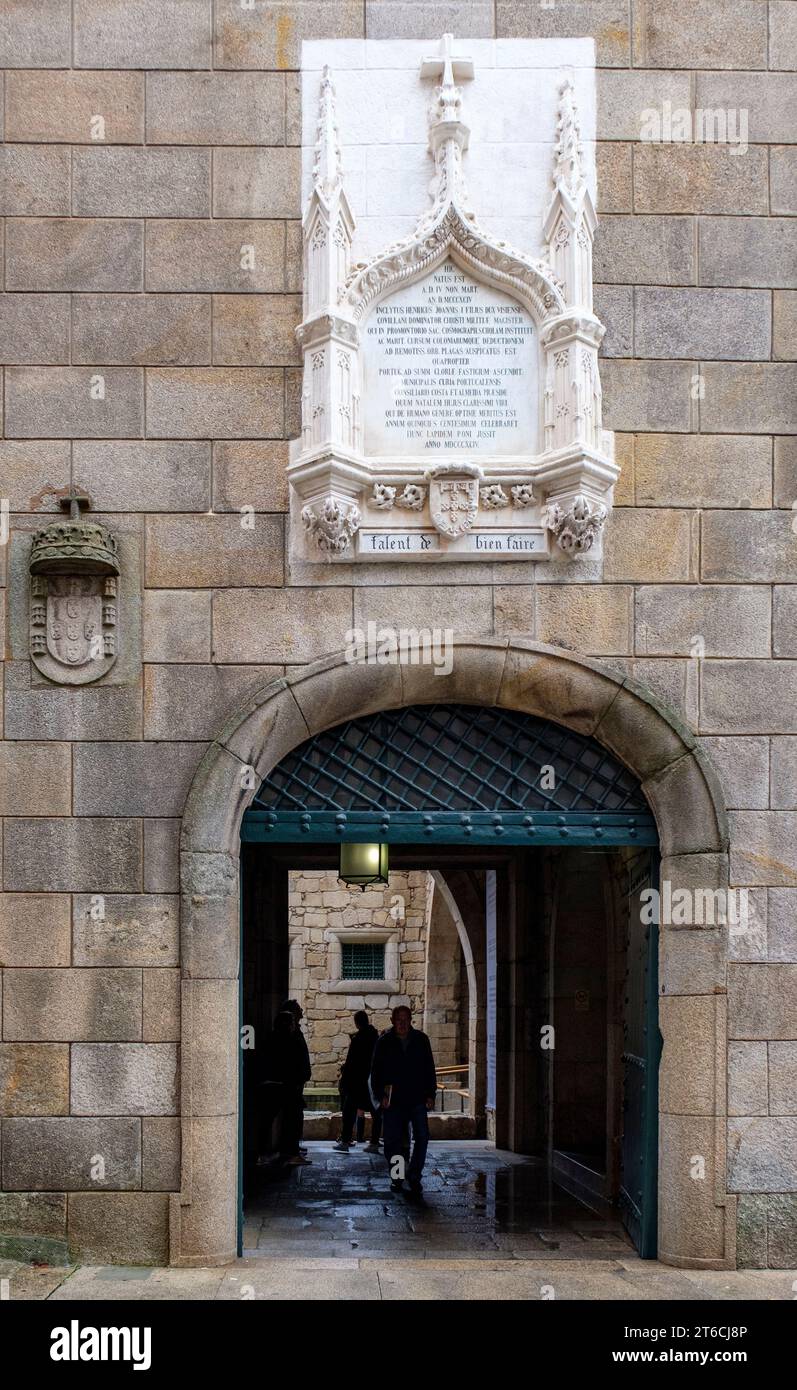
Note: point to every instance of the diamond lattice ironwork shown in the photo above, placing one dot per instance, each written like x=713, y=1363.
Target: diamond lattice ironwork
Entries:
x=463, y=758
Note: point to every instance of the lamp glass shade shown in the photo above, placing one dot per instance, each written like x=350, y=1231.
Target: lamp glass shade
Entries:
x=363, y=865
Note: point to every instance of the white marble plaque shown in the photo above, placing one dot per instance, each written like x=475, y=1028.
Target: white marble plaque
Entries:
x=450, y=369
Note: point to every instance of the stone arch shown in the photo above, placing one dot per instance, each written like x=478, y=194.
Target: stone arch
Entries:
x=475, y=1003
x=697, y=1217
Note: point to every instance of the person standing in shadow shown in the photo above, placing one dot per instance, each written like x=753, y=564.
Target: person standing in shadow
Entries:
x=354, y=1087
x=286, y=1067
x=403, y=1080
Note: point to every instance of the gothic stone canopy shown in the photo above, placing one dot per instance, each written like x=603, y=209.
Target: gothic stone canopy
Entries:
x=451, y=401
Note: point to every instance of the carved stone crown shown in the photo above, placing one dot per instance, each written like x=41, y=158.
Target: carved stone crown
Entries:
x=74, y=546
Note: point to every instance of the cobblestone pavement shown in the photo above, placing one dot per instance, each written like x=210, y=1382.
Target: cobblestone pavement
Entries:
x=492, y=1228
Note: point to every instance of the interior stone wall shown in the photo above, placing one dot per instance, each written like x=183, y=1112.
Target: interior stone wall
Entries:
x=318, y=906
x=124, y=257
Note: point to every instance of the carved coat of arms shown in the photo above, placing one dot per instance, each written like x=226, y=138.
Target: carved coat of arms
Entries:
x=73, y=598
x=453, y=504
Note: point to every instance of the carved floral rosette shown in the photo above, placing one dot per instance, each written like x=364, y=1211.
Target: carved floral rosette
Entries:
x=74, y=570
x=561, y=489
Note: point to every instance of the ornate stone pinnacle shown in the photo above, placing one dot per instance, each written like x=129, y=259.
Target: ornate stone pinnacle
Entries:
x=448, y=133
x=568, y=174
x=327, y=167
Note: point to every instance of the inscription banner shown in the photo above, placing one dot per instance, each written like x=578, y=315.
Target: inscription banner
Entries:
x=387, y=544
x=451, y=366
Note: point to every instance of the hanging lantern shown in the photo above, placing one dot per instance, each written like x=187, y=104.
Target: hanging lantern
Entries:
x=363, y=865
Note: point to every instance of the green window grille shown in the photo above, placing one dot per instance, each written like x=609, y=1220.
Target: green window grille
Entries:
x=363, y=960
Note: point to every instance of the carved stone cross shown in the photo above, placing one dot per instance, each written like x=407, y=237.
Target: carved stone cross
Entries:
x=445, y=65
x=73, y=501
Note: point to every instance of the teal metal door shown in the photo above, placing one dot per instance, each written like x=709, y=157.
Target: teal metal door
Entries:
x=641, y=1052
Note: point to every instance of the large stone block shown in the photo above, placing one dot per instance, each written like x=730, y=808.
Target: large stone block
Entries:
x=34, y=180
x=132, y=35
x=210, y=1026
x=783, y=774
x=144, y=475
x=195, y=702
x=279, y=625
x=751, y=1231
x=747, y=1078
x=694, y=470
x=203, y=1228
x=126, y=929
x=782, y=34
x=215, y=108
x=614, y=305
x=34, y=929
x=34, y=1079
x=250, y=473
x=270, y=36
x=691, y=962
x=135, y=779
x=440, y=607
x=160, y=1153
x=783, y=180
x=73, y=856
x=784, y=620
x=258, y=331
x=245, y=257
x=162, y=856
x=625, y=98
x=546, y=686
x=214, y=551
x=768, y=98
x=646, y=395
x=391, y=19
x=650, y=545
x=763, y=396
x=36, y=36
x=34, y=328
x=749, y=697
x=762, y=1154
x=683, y=797
x=74, y=254
x=687, y=1083
x=762, y=1001
x=214, y=402
x=161, y=1006
x=782, y=1231
x=164, y=329
x=698, y=621
x=64, y=106
x=702, y=323
x=700, y=178
x=154, y=182
x=35, y=779
x=742, y=765
x=595, y=619
x=783, y=1078
x=256, y=183
x=782, y=925
x=784, y=325
x=70, y=1154
x=605, y=20
x=211, y=910
x=757, y=546
x=130, y=1228
x=176, y=625
x=764, y=848
x=69, y=1005
x=35, y=474
x=73, y=401
x=50, y=713
x=615, y=179
x=747, y=251
x=31, y=1214
x=668, y=36
x=124, y=1079
x=691, y=1225
x=644, y=250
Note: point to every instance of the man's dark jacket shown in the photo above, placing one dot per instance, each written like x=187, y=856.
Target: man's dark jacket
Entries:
x=356, y=1068
x=410, y=1072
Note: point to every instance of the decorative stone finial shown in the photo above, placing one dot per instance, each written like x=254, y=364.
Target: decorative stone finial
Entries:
x=568, y=174
x=328, y=166
x=448, y=133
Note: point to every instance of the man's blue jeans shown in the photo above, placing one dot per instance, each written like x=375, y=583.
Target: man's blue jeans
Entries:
x=398, y=1119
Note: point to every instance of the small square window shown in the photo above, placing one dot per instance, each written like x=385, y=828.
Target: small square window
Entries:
x=363, y=960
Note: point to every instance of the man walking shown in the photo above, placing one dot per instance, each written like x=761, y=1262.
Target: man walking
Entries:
x=403, y=1081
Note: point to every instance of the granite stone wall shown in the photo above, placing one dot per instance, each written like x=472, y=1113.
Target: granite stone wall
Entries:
x=149, y=184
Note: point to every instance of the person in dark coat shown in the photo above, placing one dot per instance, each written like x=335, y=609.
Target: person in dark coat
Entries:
x=354, y=1087
x=292, y=1006
x=286, y=1068
x=403, y=1080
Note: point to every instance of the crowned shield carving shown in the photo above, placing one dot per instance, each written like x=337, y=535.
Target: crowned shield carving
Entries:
x=453, y=504
x=73, y=598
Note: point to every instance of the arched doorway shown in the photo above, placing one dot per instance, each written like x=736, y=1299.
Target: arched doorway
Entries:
x=527, y=678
